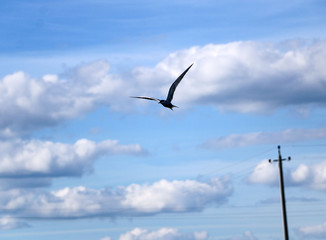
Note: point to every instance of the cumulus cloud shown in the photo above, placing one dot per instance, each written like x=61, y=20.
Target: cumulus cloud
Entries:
x=28, y=103
x=36, y=158
x=133, y=200
x=313, y=176
x=160, y=234
x=239, y=76
x=285, y=136
x=243, y=76
x=176, y=195
x=264, y=173
x=314, y=231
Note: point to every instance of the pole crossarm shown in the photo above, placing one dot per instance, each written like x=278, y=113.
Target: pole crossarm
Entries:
x=280, y=160
x=279, y=156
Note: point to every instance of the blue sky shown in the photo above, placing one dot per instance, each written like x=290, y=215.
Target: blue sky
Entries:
x=81, y=160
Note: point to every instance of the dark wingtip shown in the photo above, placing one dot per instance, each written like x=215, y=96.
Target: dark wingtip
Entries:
x=189, y=67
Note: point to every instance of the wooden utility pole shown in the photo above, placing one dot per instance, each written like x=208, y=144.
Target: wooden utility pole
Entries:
x=280, y=160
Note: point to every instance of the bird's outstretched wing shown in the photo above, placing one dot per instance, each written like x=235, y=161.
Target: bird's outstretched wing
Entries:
x=175, y=84
x=148, y=98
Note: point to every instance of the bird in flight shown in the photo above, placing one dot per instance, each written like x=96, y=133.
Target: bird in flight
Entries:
x=167, y=102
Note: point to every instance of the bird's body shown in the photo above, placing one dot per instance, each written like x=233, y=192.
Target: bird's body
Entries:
x=168, y=101
x=167, y=104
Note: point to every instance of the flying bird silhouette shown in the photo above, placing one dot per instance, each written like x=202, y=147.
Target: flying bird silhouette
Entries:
x=167, y=102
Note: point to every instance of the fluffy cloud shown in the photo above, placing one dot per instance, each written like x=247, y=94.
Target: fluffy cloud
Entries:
x=264, y=173
x=178, y=196
x=313, y=176
x=162, y=234
x=242, y=76
x=285, y=136
x=315, y=231
x=239, y=76
x=133, y=200
x=35, y=158
x=28, y=103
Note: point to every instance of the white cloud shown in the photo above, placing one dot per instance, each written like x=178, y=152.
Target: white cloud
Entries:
x=32, y=158
x=285, y=136
x=8, y=222
x=264, y=173
x=28, y=103
x=162, y=234
x=239, y=76
x=313, y=176
x=314, y=231
x=301, y=174
x=176, y=195
x=242, y=76
x=133, y=200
